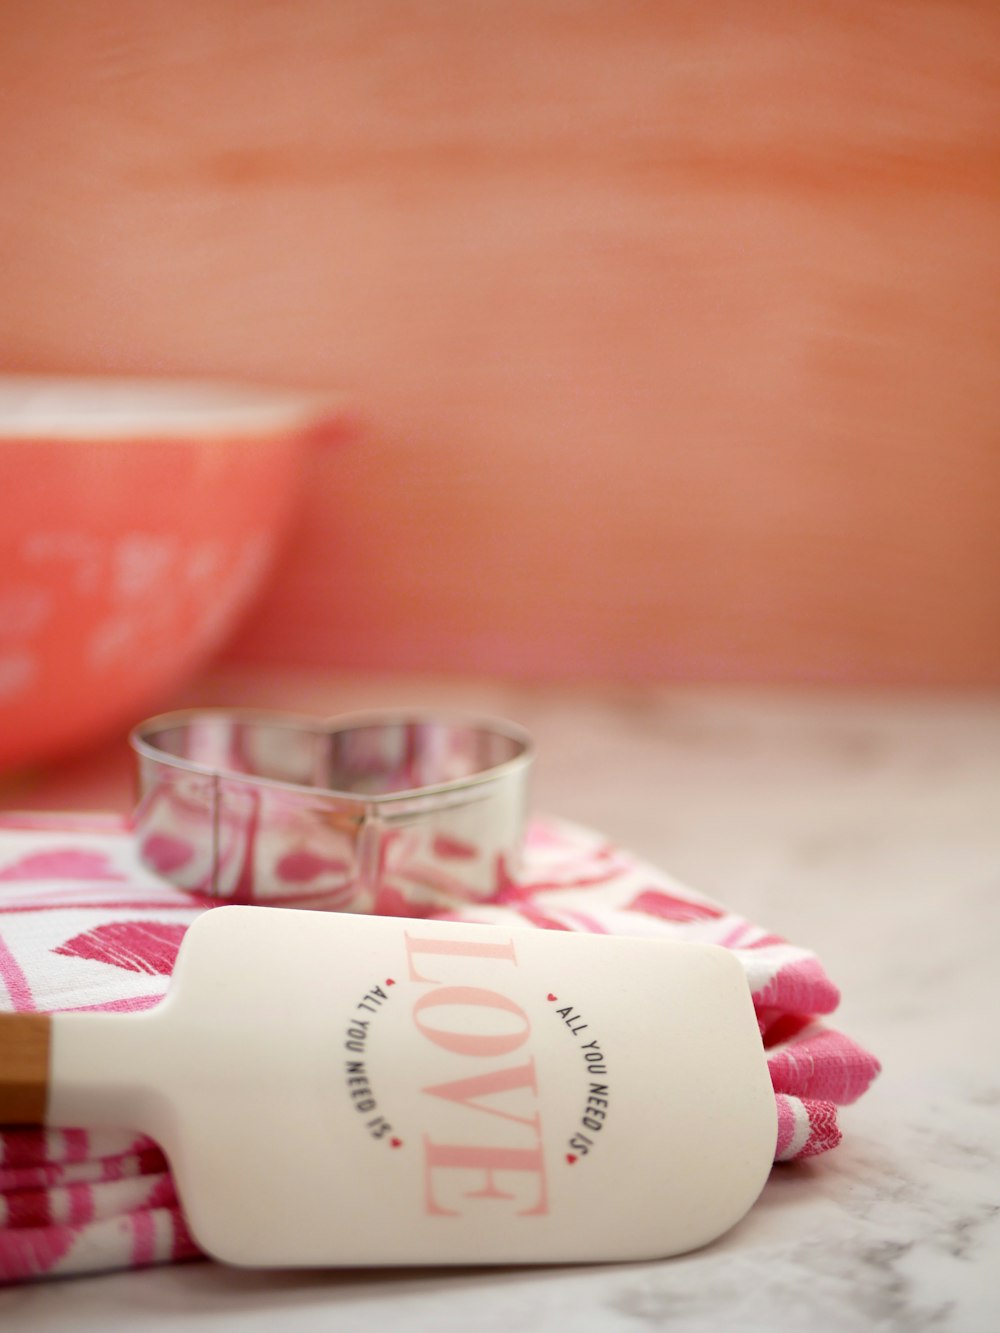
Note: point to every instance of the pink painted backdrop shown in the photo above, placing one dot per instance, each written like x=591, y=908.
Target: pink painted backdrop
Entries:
x=672, y=328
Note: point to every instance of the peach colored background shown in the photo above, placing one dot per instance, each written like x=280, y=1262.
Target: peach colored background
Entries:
x=673, y=327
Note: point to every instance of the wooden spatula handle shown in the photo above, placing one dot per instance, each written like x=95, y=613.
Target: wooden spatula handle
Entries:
x=24, y=1068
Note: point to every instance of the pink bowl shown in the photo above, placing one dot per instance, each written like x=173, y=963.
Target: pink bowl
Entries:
x=137, y=519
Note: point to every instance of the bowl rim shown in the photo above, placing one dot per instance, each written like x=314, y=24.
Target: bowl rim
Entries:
x=126, y=407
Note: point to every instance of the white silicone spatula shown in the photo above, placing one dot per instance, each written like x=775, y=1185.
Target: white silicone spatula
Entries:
x=346, y=1090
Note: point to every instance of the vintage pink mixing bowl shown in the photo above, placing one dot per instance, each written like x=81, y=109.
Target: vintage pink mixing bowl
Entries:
x=137, y=520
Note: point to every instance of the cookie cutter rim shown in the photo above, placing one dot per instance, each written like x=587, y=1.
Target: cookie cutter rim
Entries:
x=140, y=739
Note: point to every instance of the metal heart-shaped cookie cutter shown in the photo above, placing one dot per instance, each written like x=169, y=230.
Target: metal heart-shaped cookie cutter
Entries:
x=397, y=812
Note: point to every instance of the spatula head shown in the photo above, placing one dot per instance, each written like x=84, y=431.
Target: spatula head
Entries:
x=346, y=1090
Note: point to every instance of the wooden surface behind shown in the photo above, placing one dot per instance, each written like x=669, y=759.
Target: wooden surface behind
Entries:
x=673, y=328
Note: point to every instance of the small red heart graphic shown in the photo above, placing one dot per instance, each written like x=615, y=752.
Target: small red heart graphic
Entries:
x=396, y=1143
x=570, y=1158
x=551, y=996
x=389, y=981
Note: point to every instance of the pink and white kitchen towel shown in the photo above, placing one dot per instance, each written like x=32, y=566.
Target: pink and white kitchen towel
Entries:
x=83, y=926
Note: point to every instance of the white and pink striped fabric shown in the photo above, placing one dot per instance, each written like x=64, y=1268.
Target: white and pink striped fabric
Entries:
x=84, y=926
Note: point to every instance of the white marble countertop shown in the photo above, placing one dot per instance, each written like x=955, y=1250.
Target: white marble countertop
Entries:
x=865, y=827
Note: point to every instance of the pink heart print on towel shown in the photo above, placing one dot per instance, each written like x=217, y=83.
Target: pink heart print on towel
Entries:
x=61, y=863
x=137, y=946
x=84, y=926
x=656, y=902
